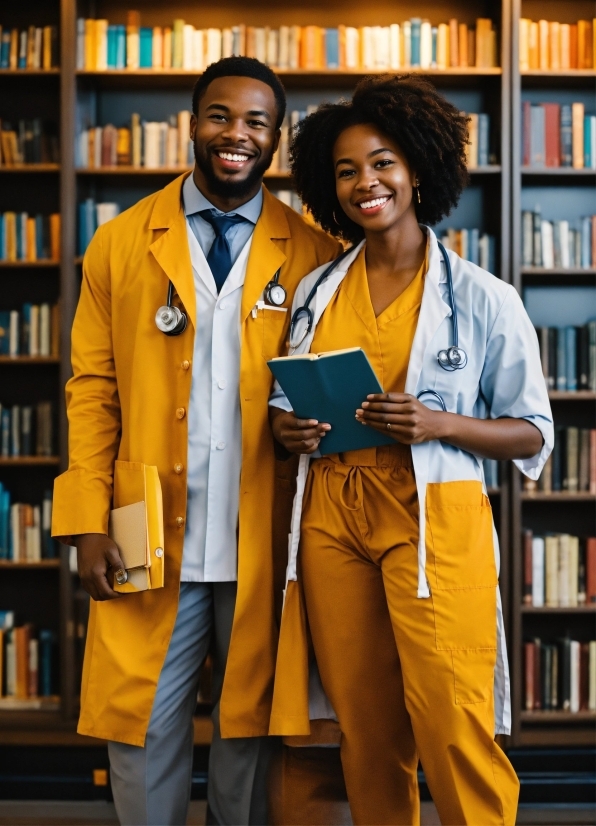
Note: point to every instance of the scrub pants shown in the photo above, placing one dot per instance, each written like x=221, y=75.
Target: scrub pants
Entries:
x=397, y=696
x=151, y=785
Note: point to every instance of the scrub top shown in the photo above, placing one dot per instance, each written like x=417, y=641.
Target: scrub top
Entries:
x=349, y=321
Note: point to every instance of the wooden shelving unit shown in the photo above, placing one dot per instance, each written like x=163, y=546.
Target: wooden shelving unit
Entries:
x=561, y=511
x=498, y=189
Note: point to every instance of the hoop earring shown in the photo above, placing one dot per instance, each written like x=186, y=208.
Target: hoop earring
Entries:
x=418, y=189
x=335, y=219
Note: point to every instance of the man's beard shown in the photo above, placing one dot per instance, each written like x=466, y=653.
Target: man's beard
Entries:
x=231, y=187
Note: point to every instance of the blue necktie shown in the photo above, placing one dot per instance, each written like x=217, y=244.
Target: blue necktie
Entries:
x=220, y=256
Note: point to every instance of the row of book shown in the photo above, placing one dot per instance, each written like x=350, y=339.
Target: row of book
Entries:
x=560, y=676
x=470, y=244
x=150, y=144
x=26, y=430
x=550, y=45
x=559, y=570
x=34, y=331
x=25, y=529
x=32, y=141
x=555, y=135
x=412, y=43
x=568, y=356
x=91, y=216
x=33, y=48
x=571, y=466
x=555, y=244
x=27, y=661
x=25, y=237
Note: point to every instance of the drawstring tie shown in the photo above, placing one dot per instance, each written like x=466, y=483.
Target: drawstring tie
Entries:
x=352, y=487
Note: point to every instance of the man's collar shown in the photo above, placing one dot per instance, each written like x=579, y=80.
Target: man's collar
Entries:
x=194, y=201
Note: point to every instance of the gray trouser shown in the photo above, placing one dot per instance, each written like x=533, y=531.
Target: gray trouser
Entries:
x=151, y=785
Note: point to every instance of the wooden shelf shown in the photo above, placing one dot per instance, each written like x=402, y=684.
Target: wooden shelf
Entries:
x=454, y=71
x=24, y=461
x=25, y=72
x=570, y=396
x=558, y=609
x=291, y=78
x=553, y=74
x=558, y=717
x=42, y=563
x=22, y=360
x=31, y=167
x=41, y=704
x=44, y=262
x=558, y=496
x=558, y=171
x=494, y=169
x=161, y=170
x=542, y=271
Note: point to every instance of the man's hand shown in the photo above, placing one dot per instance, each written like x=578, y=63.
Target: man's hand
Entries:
x=296, y=435
x=96, y=553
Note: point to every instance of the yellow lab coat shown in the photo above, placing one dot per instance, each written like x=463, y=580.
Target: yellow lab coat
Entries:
x=127, y=403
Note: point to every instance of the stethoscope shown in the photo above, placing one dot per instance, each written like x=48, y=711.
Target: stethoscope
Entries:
x=452, y=358
x=172, y=321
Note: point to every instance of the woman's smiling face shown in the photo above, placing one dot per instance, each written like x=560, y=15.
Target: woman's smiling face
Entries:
x=374, y=182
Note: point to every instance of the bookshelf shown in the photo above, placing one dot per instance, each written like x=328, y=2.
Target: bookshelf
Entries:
x=492, y=202
x=563, y=193
x=40, y=591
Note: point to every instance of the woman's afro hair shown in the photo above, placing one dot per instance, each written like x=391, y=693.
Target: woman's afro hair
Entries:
x=429, y=130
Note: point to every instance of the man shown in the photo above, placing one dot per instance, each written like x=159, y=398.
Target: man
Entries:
x=194, y=405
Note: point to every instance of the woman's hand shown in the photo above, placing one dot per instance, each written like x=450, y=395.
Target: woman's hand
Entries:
x=411, y=421
x=296, y=435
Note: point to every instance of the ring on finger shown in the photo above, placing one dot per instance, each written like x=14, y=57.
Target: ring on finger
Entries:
x=388, y=425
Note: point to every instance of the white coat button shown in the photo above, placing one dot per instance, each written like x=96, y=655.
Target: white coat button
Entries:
x=221, y=445
x=222, y=305
x=222, y=384
x=159, y=552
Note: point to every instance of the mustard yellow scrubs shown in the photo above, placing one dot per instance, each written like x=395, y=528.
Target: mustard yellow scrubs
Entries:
x=399, y=694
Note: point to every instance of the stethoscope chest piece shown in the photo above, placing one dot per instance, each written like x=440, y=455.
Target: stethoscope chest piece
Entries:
x=275, y=293
x=170, y=320
x=453, y=358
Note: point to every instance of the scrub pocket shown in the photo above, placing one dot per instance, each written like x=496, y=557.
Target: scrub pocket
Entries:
x=460, y=566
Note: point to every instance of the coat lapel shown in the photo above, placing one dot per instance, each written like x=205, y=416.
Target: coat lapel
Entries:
x=265, y=256
x=170, y=249
x=432, y=312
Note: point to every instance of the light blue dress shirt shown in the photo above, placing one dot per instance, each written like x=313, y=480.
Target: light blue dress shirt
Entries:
x=237, y=235
x=214, y=455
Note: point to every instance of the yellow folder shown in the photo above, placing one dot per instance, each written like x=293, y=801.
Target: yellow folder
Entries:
x=136, y=526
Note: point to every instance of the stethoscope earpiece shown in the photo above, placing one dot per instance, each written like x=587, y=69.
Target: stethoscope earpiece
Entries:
x=170, y=320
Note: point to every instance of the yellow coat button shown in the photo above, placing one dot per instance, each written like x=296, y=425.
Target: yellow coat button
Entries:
x=180, y=413
x=179, y=521
x=185, y=364
x=178, y=468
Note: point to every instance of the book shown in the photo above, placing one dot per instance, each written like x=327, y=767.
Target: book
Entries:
x=330, y=387
x=414, y=42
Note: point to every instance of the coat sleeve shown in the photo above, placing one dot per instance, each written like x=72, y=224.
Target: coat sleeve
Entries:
x=83, y=494
x=512, y=381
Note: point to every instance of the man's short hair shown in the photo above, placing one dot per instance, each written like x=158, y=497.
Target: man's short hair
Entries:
x=241, y=67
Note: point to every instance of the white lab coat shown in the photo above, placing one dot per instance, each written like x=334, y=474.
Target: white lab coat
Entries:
x=503, y=378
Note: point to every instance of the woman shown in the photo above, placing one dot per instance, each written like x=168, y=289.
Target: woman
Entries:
x=398, y=559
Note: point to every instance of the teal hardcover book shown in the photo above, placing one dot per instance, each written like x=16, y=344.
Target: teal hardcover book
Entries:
x=330, y=387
